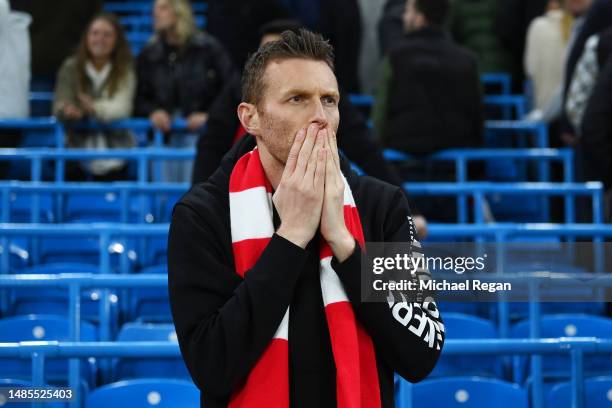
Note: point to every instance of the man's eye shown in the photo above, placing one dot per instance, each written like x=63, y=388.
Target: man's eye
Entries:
x=329, y=100
x=296, y=99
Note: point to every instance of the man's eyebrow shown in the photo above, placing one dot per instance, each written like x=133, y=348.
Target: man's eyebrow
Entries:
x=299, y=91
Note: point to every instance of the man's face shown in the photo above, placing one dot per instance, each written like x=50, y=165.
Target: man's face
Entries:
x=412, y=18
x=297, y=92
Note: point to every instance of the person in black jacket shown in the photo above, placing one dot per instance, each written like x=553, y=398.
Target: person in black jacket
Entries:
x=354, y=136
x=181, y=71
x=430, y=97
x=226, y=320
x=233, y=23
x=597, y=129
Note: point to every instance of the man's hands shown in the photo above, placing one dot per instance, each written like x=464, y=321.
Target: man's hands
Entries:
x=196, y=120
x=333, y=228
x=160, y=119
x=310, y=194
x=299, y=196
x=71, y=112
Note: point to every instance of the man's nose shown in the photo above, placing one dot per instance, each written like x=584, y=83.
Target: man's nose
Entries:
x=318, y=114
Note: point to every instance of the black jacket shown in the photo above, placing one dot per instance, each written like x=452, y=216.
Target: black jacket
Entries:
x=434, y=98
x=236, y=23
x=353, y=137
x=598, y=18
x=224, y=322
x=597, y=129
x=185, y=80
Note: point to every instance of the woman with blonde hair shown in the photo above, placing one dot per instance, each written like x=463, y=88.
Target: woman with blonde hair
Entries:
x=98, y=82
x=180, y=73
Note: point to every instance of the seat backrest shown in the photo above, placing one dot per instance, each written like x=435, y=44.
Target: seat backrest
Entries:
x=147, y=332
x=567, y=325
x=597, y=391
x=462, y=326
x=92, y=206
x=62, y=267
x=145, y=393
x=42, y=328
x=464, y=392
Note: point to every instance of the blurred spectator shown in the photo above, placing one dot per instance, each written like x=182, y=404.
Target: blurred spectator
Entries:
x=55, y=31
x=545, y=53
x=14, y=62
x=369, y=54
x=224, y=129
x=596, y=51
x=180, y=73
x=597, y=131
x=597, y=18
x=14, y=73
x=235, y=24
x=339, y=21
x=390, y=26
x=98, y=82
x=472, y=25
x=430, y=97
x=513, y=19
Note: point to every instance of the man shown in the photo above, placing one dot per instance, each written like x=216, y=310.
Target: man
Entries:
x=430, y=97
x=265, y=257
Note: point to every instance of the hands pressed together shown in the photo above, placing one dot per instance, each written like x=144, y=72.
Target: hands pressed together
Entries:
x=310, y=195
x=161, y=120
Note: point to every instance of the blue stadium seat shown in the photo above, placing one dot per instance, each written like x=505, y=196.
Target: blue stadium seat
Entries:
x=16, y=383
x=21, y=208
x=93, y=208
x=460, y=326
x=145, y=393
x=34, y=300
x=103, y=207
x=83, y=250
x=597, y=391
x=149, y=367
x=151, y=304
x=42, y=328
x=566, y=325
x=461, y=392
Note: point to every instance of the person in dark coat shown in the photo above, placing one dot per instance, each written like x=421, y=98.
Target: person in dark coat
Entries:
x=430, y=95
x=264, y=258
x=597, y=128
x=233, y=23
x=181, y=70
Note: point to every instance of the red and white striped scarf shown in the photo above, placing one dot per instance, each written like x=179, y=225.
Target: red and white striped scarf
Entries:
x=267, y=385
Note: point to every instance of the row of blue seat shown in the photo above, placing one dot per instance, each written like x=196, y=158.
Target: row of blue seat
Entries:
x=458, y=392
x=143, y=157
x=111, y=245
x=152, y=202
x=578, y=347
x=45, y=327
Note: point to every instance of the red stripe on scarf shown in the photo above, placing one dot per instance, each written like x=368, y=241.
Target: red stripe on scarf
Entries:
x=268, y=382
x=244, y=252
x=251, y=174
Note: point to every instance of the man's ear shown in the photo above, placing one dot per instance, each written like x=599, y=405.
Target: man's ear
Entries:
x=247, y=113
